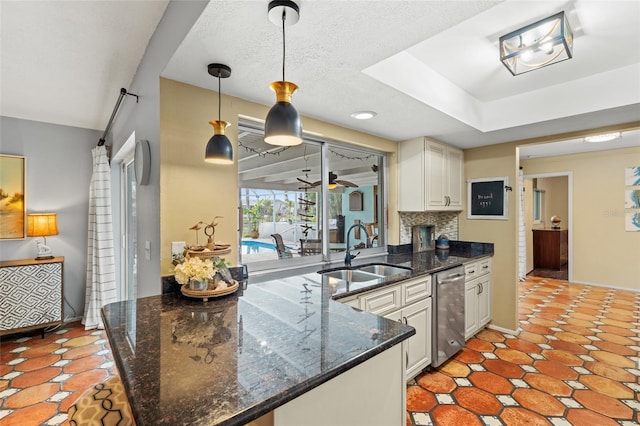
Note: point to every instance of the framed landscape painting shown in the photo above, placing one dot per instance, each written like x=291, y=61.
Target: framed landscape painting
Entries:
x=12, y=197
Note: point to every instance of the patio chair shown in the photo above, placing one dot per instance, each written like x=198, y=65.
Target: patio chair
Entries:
x=310, y=247
x=283, y=252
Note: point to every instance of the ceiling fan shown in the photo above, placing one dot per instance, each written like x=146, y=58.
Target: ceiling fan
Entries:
x=333, y=182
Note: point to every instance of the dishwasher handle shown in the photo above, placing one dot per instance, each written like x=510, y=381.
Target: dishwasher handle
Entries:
x=451, y=279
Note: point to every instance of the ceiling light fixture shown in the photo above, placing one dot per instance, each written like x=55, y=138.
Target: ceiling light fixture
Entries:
x=219, y=149
x=363, y=115
x=602, y=138
x=282, y=126
x=332, y=181
x=537, y=45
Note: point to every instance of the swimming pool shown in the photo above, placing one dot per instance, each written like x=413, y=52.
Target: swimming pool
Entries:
x=252, y=246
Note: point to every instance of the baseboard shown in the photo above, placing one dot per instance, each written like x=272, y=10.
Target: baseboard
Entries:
x=635, y=290
x=504, y=330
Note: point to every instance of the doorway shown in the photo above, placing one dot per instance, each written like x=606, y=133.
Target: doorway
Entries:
x=548, y=225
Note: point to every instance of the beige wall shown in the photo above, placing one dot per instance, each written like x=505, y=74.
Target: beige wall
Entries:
x=192, y=190
x=496, y=161
x=603, y=252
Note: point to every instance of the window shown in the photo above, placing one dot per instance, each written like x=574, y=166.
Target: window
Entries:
x=285, y=198
x=538, y=205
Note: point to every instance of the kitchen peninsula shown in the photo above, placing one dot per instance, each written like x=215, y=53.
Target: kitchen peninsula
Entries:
x=276, y=348
x=281, y=351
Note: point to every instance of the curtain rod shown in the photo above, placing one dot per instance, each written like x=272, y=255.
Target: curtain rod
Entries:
x=123, y=93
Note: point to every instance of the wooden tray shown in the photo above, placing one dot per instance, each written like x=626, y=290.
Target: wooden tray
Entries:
x=206, y=294
x=207, y=254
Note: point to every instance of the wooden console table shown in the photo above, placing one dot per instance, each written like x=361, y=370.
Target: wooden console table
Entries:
x=550, y=248
x=30, y=294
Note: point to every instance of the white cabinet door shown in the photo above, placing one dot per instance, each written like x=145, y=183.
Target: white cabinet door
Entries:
x=470, y=308
x=395, y=316
x=437, y=170
x=418, y=346
x=455, y=160
x=484, y=300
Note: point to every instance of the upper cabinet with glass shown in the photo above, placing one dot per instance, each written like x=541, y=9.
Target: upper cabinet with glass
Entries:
x=430, y=176
x=298, y=202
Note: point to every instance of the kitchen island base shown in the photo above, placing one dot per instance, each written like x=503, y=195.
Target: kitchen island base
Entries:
x=372, y=393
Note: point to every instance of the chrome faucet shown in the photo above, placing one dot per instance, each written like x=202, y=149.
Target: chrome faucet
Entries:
x=349, y=257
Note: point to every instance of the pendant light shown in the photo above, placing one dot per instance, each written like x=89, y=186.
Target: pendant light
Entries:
x=282, y=126
x=219, y=149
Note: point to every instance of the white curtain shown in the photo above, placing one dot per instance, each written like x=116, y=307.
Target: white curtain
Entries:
x=522, y=242
x=101, y=276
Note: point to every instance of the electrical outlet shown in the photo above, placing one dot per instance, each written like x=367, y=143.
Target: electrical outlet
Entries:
x=177, y=247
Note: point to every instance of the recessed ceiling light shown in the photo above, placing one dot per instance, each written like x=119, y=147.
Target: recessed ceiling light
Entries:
x=363, y=115
x=602, y=138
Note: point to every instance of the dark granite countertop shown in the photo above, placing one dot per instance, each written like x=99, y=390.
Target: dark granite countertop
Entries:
x=234, y=358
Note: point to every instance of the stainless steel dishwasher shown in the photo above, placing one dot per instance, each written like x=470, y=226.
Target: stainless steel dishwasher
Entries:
x=448, y=314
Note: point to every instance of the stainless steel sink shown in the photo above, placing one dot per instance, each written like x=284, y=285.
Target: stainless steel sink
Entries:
x=385, y=270
x=351, y=275
x=371, y=272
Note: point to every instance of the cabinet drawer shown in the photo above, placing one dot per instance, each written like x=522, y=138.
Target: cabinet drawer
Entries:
x=382, y=301
x=352, y=301
x=484, y=266
x=471, y=271
x=415, y=290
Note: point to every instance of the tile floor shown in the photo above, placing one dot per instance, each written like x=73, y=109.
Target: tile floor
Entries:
x=41, y=378
x=575, y=362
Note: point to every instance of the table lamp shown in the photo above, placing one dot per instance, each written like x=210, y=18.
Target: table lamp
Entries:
x=42, y=225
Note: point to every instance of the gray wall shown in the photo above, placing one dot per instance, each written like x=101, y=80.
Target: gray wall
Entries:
x=143, y=118
x=59, y=167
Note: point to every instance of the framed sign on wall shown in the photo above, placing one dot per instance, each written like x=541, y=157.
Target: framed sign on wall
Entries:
x=487, y=198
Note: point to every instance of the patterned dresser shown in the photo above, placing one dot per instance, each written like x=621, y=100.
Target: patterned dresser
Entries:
x=30, y=294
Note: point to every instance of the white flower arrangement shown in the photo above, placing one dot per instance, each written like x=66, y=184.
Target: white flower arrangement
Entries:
x=194, y=268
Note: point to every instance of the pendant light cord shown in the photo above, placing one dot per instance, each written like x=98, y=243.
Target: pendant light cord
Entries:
x=284, y=17
x=219, y=97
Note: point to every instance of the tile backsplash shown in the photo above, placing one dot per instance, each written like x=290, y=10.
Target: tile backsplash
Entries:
x=444, y=223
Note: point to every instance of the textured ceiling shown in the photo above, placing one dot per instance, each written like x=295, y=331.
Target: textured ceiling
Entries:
x=426, y=67
x=65, y=61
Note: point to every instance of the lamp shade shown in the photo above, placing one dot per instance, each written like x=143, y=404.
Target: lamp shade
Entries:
x=42, y=224
x=537, y=45
x=219, y=149
x=282, y=126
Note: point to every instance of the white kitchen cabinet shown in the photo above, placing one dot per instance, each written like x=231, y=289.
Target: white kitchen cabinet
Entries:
x=484, y=300
x=408, y=302
x=381, y=302
x=477, y=300
x=470, y=308
x=418, y=346
x=430, y=176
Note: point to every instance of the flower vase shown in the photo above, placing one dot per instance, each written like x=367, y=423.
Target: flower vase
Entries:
x=198, y=285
